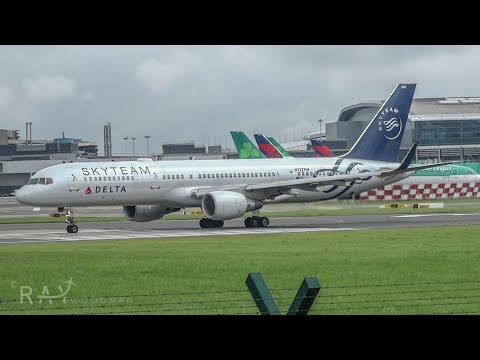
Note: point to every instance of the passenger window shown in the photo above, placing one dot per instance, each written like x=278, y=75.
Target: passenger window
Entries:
x=256, y=174
x=85, y=178
x=265, y=174
x=178, y=177
x=273, y=174
x=243, y=174
x=248, y=175
x=235, y=175
x=204, y=176
x=221, y=176
x=118, y=178
x=123, y=178
x=251, y=174
x=49, y=181
x=41, y=181
x=168, y=177
x=230, y=175
x=260, y=174
x=164, y=177
x=132, y=178
x=269, y=174
x=95, y=178
x=90, y=178
x=128, y=177
x=104, y=178
x=109, y=178
x=208, y=176
x=303, y=173
x=217, y=176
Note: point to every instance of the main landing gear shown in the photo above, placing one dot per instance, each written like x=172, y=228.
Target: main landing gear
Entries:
x=256, y=221
x=71, y=227
x=208, y=223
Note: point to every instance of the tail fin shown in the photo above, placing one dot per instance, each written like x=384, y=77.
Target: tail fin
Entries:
x=382, y=137
x=279, y=147
x=266, y=147
x=321, y=149
x=245, y=148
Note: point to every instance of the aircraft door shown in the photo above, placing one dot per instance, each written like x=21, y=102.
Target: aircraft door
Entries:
x=155, y=183
x=73, y=183
x=454, y=173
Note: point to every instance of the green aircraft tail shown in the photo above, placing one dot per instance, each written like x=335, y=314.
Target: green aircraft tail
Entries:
x=279, y=147
x=245, y=148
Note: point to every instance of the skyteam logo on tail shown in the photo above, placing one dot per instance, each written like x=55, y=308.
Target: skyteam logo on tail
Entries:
x=392, y=126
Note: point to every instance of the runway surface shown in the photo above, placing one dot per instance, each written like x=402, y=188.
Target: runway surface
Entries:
x=55, y=232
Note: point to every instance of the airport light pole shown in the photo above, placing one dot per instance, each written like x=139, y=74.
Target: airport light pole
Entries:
x=147, y=137
x=125, y=138
x=133, y=141
x=320, y=123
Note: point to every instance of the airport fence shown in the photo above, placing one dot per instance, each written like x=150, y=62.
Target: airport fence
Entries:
x=430, y=298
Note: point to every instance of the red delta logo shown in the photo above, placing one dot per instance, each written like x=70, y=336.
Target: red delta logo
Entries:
x=88, y=191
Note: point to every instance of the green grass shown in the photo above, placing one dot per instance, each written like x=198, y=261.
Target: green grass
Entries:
x=192, y=275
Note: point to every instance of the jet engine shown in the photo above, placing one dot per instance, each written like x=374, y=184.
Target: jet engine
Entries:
x=224, y=205
x=144, y=213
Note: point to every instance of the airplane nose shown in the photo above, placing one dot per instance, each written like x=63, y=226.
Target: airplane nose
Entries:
x=22, y=195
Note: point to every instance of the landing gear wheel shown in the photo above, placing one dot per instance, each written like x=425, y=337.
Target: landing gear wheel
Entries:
x=248, y=222
x=264, y=221
x=209, y=223
x=254, y=221
x=71, y=227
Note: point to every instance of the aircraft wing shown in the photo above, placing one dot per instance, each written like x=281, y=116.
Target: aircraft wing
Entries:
x=339, y=180
x=274, y=188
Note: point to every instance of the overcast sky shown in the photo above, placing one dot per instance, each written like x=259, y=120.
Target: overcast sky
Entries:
x=182, y=93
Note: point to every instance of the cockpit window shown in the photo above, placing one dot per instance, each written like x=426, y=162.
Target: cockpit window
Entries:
x=40, y=181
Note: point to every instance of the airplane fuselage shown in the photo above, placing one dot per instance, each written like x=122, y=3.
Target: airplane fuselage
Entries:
x=173, y=183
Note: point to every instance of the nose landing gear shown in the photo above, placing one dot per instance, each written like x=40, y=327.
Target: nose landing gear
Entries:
x=71, y=227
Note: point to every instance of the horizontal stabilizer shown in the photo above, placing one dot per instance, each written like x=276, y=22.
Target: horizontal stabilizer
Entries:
x=405, y=167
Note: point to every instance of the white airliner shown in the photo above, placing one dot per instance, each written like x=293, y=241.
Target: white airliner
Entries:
x=227, y=189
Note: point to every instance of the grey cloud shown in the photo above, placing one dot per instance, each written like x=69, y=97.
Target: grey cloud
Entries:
x=6, y=98
x=49, y=88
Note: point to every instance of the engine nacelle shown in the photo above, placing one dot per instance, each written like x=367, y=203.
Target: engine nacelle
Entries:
x=144, y=213
x=224, y=205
